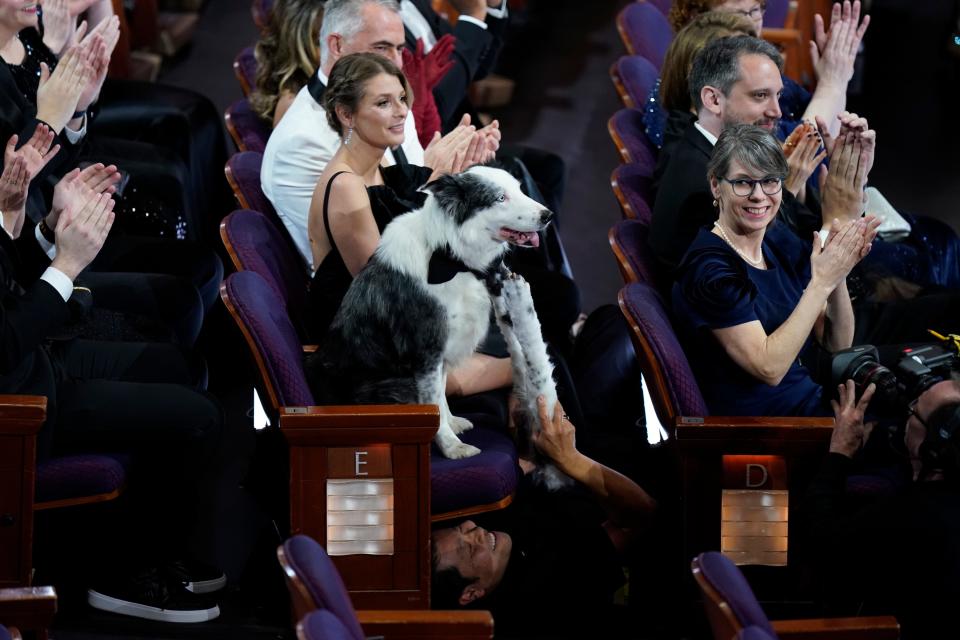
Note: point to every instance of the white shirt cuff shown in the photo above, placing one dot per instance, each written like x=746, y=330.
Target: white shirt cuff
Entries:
x=59, y=281
x=501, y=12
x=76, y=136
x=48, y=247
x=472, y=20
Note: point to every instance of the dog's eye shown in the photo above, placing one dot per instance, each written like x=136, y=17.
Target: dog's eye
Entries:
x=502, y=197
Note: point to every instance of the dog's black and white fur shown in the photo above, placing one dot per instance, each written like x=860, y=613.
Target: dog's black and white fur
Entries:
x=396, y=335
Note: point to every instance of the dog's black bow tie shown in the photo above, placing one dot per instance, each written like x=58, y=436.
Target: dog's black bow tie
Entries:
x=444, y=267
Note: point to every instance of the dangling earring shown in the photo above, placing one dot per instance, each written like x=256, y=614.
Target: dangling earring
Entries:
x=349, y=136
x=715, y=204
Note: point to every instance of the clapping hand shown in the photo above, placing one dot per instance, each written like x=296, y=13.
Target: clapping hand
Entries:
x=850, y=432
x=436, y=63
x=78, y=185
x=59, y=91
x=830, y=263
x=20, y=166
x=802, y=149
x=834, y=52
x=101, y=41
x=81, y=232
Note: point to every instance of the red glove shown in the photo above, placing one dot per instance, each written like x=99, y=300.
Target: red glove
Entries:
x=425, y=114
x=438, y=61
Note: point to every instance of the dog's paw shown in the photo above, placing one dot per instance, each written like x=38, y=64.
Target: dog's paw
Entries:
x=516, y=291
x=458, y=425
x=460, y=450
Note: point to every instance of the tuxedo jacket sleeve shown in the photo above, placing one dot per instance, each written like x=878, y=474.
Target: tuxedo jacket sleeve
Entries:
x=30, y=308
x=683, y=202
x=474, y=56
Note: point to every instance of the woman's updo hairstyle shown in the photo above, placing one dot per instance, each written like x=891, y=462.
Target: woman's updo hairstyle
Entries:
x=753, y=147
x=347, y=84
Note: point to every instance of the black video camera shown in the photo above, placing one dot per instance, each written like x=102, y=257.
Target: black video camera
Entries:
x=917, y=369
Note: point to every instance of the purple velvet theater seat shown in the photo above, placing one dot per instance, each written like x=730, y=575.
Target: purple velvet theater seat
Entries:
x=645, y=31
x=243, y=174
x=245, y=69
x=662, y=5
x=628, y=239
x=645, y=310
x=248, y=130
x=775, y=16
x=323, y=625
x=79, y=476
x=633, y=185
x=728, y=581
x=627, y=131
x=310, y=562
x=255, y=243
x=638, y=76
x=458, y=484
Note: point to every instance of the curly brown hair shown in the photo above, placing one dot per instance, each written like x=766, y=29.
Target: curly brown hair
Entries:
x=287, y=53
x=683, y=11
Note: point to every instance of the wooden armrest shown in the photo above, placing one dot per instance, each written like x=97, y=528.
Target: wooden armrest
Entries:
x=310, y=348
x=28, y=608
x=349, y=425
x=412, y=624
x=782, y=37
x=873, y=628
x=726, y=430
x=22, y=415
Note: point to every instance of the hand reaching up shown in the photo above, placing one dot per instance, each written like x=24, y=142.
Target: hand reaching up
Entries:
x=834, y=52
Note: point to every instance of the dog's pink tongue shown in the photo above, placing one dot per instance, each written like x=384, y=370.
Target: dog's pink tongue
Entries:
x=522, y=238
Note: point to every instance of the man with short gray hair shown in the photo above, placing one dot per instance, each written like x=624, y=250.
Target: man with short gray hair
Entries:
x=303, y=142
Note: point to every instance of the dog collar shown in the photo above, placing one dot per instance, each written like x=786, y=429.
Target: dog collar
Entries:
x=444, y=267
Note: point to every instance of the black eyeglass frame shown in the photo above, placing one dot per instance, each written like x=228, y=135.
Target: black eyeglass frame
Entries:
x=762, y=8
x=734, y=182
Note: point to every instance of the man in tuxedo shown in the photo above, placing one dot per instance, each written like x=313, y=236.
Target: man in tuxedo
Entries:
x=132, y=397
x=478, y=31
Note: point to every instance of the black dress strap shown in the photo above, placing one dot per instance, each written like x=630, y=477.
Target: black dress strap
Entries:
x=326, y=216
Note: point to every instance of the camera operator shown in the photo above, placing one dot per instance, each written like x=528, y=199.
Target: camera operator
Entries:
x=897, y=553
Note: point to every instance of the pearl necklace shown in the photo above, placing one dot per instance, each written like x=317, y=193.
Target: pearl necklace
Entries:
x=723, y=234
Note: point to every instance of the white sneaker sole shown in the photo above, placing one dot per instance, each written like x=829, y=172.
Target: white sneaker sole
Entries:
x=103, y=602
x=206, y=586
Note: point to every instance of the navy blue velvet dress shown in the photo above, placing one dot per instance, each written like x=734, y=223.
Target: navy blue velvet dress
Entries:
x=716, y=289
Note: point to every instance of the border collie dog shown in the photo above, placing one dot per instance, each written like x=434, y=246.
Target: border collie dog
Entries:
x=400, y=329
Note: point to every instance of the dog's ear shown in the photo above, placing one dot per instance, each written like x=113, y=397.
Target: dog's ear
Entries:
x=450, y=195
x=463, y=194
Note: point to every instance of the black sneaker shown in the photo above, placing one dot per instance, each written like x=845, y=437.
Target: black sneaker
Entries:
x=195, y=576
x=151, y=596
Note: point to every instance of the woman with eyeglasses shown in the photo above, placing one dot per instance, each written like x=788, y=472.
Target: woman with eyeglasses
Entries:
x=750, y=296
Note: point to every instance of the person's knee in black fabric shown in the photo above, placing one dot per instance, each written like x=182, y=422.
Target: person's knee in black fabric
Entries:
x=607, y=375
